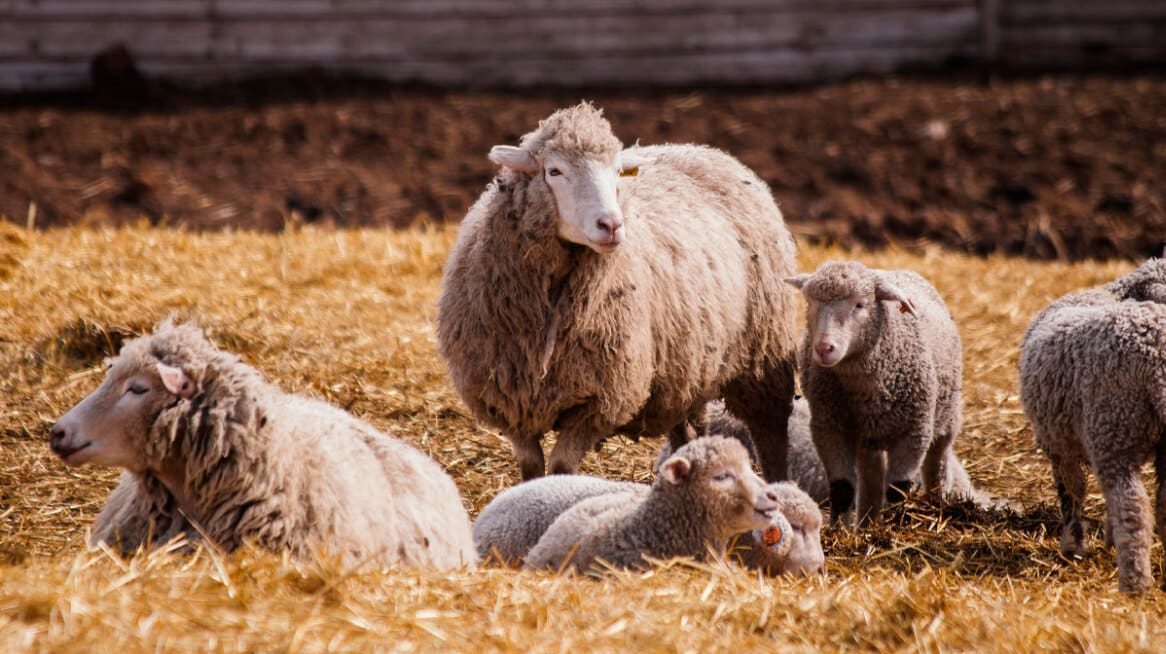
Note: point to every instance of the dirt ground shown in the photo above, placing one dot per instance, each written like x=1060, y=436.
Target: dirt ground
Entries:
x=1064, y=167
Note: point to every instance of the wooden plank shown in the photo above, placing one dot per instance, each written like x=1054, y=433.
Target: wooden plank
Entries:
x=58, y=38
x=42, y=75
x=601, y=35
x=1031, y=57
x=1133, y=34
x=107, y=9
x=516, y=9
x=1027, y=12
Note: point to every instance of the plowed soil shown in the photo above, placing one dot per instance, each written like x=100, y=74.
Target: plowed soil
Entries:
x=1065, y=167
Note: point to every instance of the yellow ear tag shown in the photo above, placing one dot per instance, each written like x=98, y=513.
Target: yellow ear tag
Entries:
x=772, y=536
x=629, y=172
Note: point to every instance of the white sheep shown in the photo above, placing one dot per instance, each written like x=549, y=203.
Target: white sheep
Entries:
x=881, y=370
x=210, y=448
x=595, y=290
x=512, y=523
x=704, y=494
x=1093, y=384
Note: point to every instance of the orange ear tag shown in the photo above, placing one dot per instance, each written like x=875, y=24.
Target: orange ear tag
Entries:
x=630, y=172
x=772, y=536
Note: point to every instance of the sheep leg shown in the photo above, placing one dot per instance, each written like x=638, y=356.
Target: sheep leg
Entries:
x=1128, y=508
x=764, y=405
x=872, y=482
x=935, y=464
x=1069, y=476
x=529, y=452
x=568, y=453
x=837, y=455
x=1160, y=508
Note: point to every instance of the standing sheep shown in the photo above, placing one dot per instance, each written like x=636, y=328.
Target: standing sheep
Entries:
x=883, y=383
x=595, y=290
x=1093, y=384
x=806, y=468
x=209, y=447
x=512, y=523
x=704, y=494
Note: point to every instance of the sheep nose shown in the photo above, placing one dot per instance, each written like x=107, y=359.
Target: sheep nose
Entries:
x=771, y=496
x=57, y=439
x=610, y=225
x=824, y=348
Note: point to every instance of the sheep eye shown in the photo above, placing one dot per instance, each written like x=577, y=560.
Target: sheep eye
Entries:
x=137, y=389
x=554, y=172
x=861, y=304
x=724, y=476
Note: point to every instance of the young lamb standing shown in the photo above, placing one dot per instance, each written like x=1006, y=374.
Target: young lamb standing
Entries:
x=704, y=494
x=881, y=370
x=210, y=449
x=1093, y=384
x=806, y=468
x=595, y=290
x=512, y=523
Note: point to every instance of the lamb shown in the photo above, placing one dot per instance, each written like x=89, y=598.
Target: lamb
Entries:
x=806, y=468
x=884, y=386
x=704, y=494
x=211, y=450
x=595, y=290
x=512, y=523
x=1093, y=385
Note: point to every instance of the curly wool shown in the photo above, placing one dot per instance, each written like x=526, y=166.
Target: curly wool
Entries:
x=1093, y=384
x=540, y=335
x=899, y=386
x=281, y=471
x=626, y=527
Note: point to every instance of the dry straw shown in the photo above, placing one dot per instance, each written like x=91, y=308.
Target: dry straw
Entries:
x=348, y=316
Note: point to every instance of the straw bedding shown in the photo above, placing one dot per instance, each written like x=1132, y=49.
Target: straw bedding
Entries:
x=347, y=316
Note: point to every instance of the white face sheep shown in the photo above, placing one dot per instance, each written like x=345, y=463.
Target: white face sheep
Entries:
x=596, y=291
x=881, y=369
x=1093, y=384
x=704, y=494
x=211, y=450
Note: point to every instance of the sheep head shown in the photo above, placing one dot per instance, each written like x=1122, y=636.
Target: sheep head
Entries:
x=842, y=310
x=113, y=425
x=793, y=543
x=576, y=157
x=714, y=473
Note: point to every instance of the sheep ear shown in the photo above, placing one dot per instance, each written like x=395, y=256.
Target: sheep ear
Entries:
x=176, y=381
x=888, y=292
x=798, y=281
x=675, y=470
x=630, y=162
x=512, y=157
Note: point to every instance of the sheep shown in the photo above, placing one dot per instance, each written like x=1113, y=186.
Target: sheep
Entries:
x=883, y=385
x=1093, y=385
x=512, y=523
x=515, y=519
x=594, y=290
x=210, y=448
x=806, y=468
x=704, y=494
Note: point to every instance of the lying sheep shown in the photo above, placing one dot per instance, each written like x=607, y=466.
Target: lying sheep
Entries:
x=1093, y=384
x=595, y=290
x=704, y=494
x=883, y=382
x=806, y=468
x=512, y=523
x=210, y=448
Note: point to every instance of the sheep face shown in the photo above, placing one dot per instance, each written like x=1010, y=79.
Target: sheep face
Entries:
x=583, y=185
x=112, y=425
x=799, y=549
x=714, y=473
x=842, y=312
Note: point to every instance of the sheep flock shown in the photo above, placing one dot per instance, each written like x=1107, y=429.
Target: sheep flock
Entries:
x=596, y=291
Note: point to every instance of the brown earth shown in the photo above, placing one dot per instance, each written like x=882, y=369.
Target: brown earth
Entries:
x=1067, y=167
